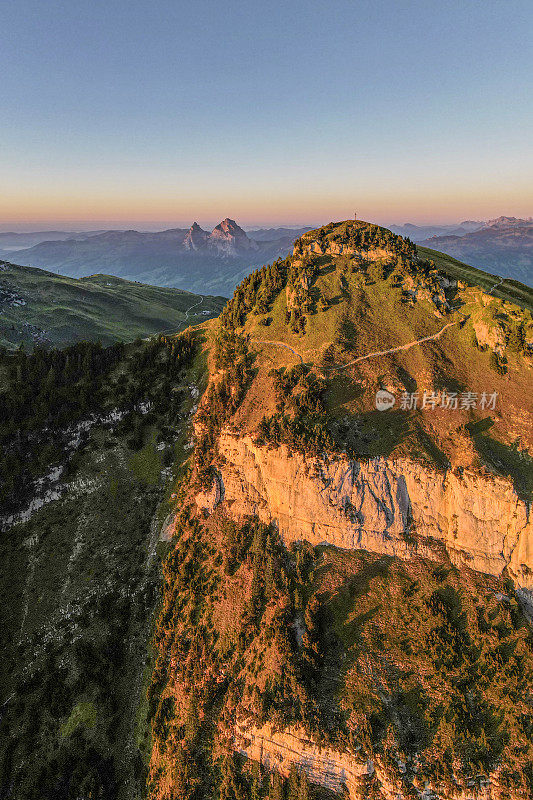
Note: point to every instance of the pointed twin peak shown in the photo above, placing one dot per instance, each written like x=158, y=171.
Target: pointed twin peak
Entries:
x=227, y=238
x=196, y=238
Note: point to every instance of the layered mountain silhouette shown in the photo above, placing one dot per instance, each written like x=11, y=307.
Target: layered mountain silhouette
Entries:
x=215, y=261
x=503, y=245
x=195, y=259
x=418, y=233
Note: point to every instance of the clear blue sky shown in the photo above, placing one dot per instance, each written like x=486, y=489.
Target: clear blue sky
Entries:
x=266, y=112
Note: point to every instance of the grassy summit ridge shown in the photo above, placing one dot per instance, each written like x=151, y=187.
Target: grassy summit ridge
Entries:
x=308, y=329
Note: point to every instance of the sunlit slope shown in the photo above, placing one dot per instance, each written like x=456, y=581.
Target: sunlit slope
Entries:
x=363, y=310
x=508, y=289
x=39, y=307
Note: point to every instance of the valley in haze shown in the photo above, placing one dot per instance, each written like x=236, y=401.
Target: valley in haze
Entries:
x=208, y=262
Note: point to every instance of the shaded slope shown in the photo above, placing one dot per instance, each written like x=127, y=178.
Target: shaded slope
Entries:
x=38, y=307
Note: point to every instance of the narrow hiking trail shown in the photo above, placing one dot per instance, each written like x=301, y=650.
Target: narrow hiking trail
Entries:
x=418, y=341
x=279, y=344
x=392, y=349
x=401, y=347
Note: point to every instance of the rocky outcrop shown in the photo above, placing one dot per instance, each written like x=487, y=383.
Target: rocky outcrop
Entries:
x=280, y=750
x=209, y=499
x=491, y=336
x=338, y=249
x=340, y=771
x=393, y=506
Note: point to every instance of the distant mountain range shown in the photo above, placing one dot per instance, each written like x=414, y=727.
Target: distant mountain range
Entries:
x=16, y=240
x=41, y=308
x=214, y=261
x=503, y=245
x=418, y=233
x=193, y=259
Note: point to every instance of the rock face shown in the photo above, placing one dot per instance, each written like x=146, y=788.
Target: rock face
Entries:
x=196, y=238
x=209, y=499
x=489, y=336
x=230, y=239
x=396, y=507
x=280, y=750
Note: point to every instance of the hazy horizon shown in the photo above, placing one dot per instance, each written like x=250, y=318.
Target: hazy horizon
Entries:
x=141, y=226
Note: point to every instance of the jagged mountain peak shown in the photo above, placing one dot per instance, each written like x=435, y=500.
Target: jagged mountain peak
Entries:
x=230, y=239
x=229, y=227
x=196, y=238
x=228, y=224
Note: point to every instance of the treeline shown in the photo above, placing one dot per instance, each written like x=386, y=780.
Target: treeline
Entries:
x=255, y=293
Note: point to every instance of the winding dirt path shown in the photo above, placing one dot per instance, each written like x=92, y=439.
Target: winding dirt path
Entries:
x=279, y=344
x=199, y=303
x=401, y=347
x=382, y=352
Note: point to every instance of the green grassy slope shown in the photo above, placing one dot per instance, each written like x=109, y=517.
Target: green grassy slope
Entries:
x=39, y=307
x=372, y=317
x=511, y=290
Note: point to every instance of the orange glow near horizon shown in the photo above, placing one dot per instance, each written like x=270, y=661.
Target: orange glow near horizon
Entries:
x=117, y=207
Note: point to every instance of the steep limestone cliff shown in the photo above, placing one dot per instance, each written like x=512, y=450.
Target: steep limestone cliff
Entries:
x=396, y=507
x=340, y=772
x=281, y=750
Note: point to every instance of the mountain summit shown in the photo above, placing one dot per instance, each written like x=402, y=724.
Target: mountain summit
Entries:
x=228, y=238
x=333, y=591
x=196, y=238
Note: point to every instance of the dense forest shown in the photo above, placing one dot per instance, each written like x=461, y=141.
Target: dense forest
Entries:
x=80, y=577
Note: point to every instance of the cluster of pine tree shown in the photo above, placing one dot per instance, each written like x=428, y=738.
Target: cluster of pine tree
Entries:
x=255, y=293
x=300, y=277
x=300, y=420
